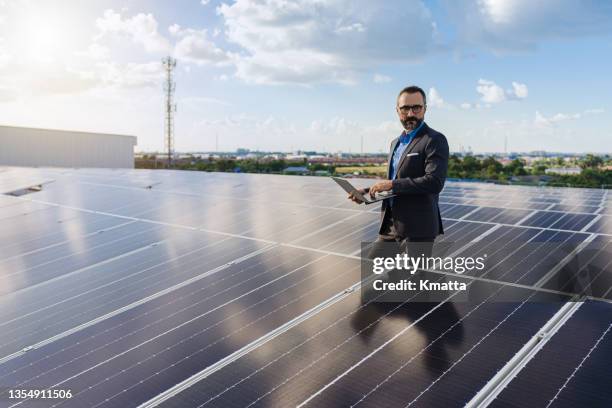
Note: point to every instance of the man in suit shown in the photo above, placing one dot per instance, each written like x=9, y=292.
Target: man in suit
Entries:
x=418, y=162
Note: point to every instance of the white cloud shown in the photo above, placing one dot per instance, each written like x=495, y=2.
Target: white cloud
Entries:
x=281, y=134
x=7, y=94
x=141, y=29
x=434, y=99
x=355, y=27
x=515, y=25
x=519, y=91
x=490, y=92
x=190, y=46
x=543, y=121
x=95, y=51
x=381, y=79
x=102, y=64
x=595, y=111
x=309, y=41
x=293, y=67
x=5, y=57
x=466, y=105
x=196, y=102
x=174, y=29
x=561, y=117
x=204, y=2
x=194, y=46
x=336, y=125
x=130, y=75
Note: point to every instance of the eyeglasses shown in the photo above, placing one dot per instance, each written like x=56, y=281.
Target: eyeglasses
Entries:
x=407, y=108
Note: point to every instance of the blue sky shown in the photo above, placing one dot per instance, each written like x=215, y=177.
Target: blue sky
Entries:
x=312, y=74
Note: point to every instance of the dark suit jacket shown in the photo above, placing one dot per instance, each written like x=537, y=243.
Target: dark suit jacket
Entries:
x=417, y=183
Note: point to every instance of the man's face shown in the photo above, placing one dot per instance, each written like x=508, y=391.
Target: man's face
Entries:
x=411, y=110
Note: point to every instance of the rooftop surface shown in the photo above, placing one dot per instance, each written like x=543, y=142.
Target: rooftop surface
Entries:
x=180, y=289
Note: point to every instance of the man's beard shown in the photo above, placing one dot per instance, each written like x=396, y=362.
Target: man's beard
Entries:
x=411, y=123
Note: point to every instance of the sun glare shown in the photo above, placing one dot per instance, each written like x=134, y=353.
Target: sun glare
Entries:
x=45, y=39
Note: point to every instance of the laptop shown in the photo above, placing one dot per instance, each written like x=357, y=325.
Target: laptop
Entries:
x=349, y=188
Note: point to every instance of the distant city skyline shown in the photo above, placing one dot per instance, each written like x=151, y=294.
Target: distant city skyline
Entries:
x=313, y=75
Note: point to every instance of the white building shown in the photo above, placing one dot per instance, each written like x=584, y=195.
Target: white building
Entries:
x=20, y=146
x=563, y=170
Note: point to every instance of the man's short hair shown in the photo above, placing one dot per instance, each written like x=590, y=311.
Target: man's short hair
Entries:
x=412, y=90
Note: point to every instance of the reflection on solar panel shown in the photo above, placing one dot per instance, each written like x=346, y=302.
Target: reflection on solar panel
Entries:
x=186, y=289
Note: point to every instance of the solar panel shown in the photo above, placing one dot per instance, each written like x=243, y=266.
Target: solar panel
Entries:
x=374, y=355
x=38, y=313
x=572, y=369
x=602, y=225
x=176, y=289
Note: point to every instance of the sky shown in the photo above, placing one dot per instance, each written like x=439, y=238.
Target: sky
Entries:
x=280, y=75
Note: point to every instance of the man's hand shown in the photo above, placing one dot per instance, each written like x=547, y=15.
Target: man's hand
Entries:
x=384, y=185
x=355, y=199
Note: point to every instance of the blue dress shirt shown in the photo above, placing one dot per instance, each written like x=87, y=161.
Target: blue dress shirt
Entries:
x=404, y=141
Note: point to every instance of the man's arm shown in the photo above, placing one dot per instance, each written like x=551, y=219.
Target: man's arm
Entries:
x=436, y=166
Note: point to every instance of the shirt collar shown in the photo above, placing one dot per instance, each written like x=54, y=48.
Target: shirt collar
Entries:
x=406, y=137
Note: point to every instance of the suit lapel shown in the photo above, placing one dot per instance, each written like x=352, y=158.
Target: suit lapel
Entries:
x=410, y=146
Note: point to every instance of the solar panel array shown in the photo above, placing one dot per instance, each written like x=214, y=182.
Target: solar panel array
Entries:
x=179, y=289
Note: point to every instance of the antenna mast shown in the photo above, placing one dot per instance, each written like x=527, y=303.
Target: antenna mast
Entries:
x=169, y=88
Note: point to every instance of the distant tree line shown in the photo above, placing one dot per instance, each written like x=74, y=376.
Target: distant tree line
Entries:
x=244, y=165
x=594, y=173
x=471, y=167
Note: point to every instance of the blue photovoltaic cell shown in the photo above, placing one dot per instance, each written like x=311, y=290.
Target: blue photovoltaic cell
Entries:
x=591, y=209
x=192, y=327
x=543, y=219
x=453, y=200
x=510, y=216
x=53, y=262
x=602, y=225
x=522, y=255
x=484, y=214
x=568, y=370
x=21, y=209
x=455, y=211
x=574, y=222
x=522, y=204
x=345, y=236
x=372, y=350
x=589, y=272
x=543, y=200
x=43, y=312
x=25, y=235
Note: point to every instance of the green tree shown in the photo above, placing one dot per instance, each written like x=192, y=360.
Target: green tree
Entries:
x=591, y=162
x=225, y=165
x=471, y=164
x=538, y=169
x=455, y=167
x=516, y=168
x=492, y=161
x=277, y=165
